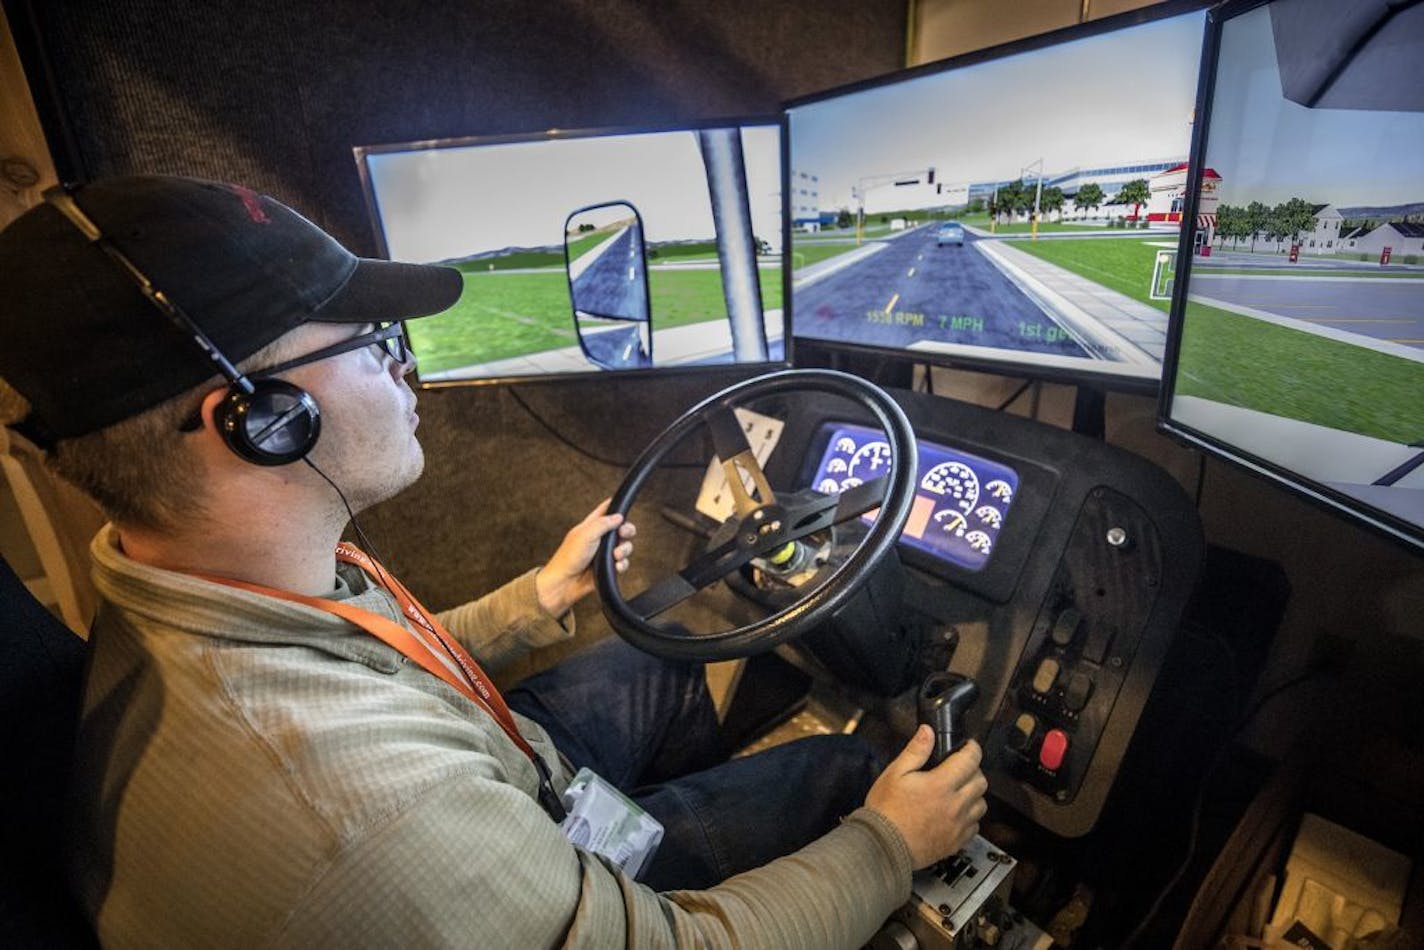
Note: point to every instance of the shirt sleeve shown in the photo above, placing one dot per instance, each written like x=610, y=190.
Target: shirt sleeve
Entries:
x=476, y=862
x=506, y=623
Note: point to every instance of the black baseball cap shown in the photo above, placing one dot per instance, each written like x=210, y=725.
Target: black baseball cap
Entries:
x=87, y=349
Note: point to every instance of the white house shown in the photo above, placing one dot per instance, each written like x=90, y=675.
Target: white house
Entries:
x=1324, y=239
x=1401, y=239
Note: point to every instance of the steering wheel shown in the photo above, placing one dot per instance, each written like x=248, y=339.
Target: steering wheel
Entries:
x=761, y=525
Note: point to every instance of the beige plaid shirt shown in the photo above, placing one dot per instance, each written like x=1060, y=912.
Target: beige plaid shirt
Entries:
x=254, y=772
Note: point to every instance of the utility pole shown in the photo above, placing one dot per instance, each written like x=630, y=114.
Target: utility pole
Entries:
x=1037, y=195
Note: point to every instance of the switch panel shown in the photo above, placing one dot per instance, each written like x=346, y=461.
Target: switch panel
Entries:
x=1076, y=660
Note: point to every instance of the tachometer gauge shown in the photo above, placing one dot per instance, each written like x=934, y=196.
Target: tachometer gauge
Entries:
x=951, y=521
x=871, y=461
x=828, y=486
x=953, y=480
x=836, y=466
x=990, y=515
x=979, y=541
x=1000, y=489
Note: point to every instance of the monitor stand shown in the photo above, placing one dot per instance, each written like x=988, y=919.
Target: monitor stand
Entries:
x=1088, y=412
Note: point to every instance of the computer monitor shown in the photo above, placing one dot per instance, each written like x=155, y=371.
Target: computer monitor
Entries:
x=1014, y=209
x=1298, y=323
x=634, y=250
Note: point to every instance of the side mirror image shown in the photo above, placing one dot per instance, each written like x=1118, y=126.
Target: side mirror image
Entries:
x=606, y=261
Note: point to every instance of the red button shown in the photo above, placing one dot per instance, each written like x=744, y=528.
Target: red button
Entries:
x=1054, y=748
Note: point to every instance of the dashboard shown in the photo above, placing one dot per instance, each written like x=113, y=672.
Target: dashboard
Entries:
x=961, y=503
x=1058, y=565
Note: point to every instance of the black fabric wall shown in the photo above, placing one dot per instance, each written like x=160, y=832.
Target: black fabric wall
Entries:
x=276, y=93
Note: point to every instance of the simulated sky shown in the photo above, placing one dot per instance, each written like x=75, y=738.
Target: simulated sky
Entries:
x=443, y=203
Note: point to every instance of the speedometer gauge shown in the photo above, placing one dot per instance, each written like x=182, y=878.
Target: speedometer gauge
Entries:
x=870, y=460
x=951, y=521
x=953, y=480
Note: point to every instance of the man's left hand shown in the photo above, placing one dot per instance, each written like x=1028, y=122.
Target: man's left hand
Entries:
x=568, y=576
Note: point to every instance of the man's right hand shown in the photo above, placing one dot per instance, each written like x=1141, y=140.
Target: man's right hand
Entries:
x=936, y=811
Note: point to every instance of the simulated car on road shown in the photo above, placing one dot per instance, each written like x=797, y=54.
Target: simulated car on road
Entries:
x=951, y=232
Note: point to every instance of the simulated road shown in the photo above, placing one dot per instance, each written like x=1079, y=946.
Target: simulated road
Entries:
x=913, y=291
x=611, y=285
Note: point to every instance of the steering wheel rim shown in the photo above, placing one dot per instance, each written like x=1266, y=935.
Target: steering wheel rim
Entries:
x=825, y=598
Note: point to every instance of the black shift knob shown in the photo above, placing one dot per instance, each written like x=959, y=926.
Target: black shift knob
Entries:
x=944, y=699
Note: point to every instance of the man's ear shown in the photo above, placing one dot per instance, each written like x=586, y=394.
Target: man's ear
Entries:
x=209, y=407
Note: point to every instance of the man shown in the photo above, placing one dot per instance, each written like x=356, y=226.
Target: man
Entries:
x=279, y=745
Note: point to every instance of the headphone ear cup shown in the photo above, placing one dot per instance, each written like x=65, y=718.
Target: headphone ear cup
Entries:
x=276, y=424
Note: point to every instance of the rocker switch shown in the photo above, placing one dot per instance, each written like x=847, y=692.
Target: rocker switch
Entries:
x=1065, y=627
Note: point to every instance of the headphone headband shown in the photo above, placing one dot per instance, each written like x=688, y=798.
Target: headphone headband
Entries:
x=267, y=421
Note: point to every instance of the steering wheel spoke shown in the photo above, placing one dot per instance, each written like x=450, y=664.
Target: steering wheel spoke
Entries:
x=821, y=512
x=672, y=590
x=738, y=460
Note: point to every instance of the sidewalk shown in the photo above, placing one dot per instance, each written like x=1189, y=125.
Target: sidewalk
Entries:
x=1112, y=322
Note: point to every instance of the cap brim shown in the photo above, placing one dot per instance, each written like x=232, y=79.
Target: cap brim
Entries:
x=382, y=291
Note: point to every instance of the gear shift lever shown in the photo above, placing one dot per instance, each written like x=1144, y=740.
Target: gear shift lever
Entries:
x=944, y=700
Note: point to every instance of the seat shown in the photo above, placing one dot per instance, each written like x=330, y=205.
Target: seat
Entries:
x=41, y=678
x=60, y=521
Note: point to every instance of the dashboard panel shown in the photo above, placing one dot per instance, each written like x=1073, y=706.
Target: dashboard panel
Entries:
x=961, y=503
x=1063, y=621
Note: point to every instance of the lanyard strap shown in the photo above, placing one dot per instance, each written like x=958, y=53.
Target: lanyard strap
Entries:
x=471, y=681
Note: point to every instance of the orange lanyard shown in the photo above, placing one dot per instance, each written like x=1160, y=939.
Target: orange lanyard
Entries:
x=470, y=681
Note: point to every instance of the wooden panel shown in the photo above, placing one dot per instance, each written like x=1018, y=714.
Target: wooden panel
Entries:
x=25, y=166
x=950, y=27
x=945, y=28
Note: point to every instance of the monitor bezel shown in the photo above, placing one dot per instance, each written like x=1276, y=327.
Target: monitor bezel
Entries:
x=1008, y=365
x=778, y=120
x=1319, y=495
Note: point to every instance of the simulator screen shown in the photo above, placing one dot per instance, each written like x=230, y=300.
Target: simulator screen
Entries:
x=589, y=252
x=1302, y=332
x=1019, y=211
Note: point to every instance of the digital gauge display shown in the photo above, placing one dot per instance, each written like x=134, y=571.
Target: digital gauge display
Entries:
x=961, y=500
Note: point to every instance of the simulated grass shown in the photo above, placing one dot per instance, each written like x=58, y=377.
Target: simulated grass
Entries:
x=497, y=316
x=1240, y=361
x=981, y=221
x=1124, y=265
x=804, y=255
x=502, y=315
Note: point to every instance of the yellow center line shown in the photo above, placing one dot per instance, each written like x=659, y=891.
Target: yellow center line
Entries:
x=891, y=305
x=1351, y=320
x=1288, y=306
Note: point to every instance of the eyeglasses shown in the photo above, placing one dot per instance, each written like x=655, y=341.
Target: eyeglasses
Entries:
x=390, y=338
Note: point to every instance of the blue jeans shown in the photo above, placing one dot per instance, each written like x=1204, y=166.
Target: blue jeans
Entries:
x=648, y=726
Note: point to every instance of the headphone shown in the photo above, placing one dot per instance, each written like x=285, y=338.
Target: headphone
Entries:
x=264, y=421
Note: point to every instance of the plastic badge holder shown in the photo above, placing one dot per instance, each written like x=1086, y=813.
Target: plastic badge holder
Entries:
x=604, y=821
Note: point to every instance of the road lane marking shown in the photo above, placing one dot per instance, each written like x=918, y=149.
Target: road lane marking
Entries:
x=1352, y=320
x=911, y=273
x=891, y=305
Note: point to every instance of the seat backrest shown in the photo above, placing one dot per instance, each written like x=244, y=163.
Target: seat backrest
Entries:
x=41, y=680
x=60, y=522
